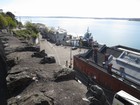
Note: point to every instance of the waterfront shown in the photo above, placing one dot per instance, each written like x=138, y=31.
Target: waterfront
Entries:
x=109, y=32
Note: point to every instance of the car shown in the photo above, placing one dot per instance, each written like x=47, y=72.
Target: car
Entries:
x=40, y=54
x=74, y=48
x=57, y=44
x=48, y=59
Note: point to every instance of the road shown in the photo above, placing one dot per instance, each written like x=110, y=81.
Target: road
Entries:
x=61, y=53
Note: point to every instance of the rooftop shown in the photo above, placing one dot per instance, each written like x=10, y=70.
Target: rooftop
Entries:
x=61, y=31
x=125, y=62
x=128, y=66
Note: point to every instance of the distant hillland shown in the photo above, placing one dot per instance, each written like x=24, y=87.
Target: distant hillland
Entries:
x=130, y=19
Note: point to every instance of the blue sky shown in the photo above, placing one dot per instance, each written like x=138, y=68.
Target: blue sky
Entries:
x=3, y=2
x=84, y=8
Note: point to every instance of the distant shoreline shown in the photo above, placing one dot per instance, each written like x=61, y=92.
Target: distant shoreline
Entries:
x=129, y=19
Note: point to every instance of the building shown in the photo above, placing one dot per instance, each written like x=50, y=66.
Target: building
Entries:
x=59, y=36
x=1, y=10
x=127, y=65
x=114, y=68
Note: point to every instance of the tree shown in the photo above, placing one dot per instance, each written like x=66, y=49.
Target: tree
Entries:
x=51, y=30
x=20, y=24
x=10, y=14
x=46, y=30
x=31, y=31
x=31, y=26
x=3, y=22
x=11, y=23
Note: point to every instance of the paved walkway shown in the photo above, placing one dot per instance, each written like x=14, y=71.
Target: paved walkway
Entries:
x=61, y=53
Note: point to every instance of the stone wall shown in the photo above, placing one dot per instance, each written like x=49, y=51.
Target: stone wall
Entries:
x=3, y=74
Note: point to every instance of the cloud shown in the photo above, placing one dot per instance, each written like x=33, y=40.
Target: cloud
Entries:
x=94, y=8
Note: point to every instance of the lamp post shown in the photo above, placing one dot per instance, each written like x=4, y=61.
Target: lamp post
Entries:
x=70, y=66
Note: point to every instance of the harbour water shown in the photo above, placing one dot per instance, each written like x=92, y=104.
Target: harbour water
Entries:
x=105, y=31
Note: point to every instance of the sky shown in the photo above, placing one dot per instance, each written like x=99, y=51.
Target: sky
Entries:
x=81, y=8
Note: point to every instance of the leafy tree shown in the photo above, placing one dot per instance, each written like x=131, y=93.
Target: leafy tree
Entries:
x=11, y=23
x=32, y=27
x=34, y=35
x=31, y=31
x=10, y=14
x=3, y=22
x=28, y=25
x=51, y=30
x=20, y=24
x=46, y=30
x=26, y=34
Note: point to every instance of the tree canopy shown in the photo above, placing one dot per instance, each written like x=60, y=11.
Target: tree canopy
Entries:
x=32, y=27
x=31, y=31
x=26, y=34
x=3, y=22
x=11, y=23
x=7, y=20
x=10, y=14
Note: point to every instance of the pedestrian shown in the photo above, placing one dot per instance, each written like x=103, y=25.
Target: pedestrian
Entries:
x=66, y=63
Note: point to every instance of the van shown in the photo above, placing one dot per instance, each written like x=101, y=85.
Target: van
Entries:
x=123, y=98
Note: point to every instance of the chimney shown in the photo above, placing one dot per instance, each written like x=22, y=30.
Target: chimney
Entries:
x=95, y=55
x=106, y=57
x=122, y=72
x=109, y=68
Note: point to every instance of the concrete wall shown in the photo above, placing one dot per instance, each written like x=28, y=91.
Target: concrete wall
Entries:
x=36, y=40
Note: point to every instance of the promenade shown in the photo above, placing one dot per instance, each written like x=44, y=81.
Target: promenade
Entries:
x=61, y=53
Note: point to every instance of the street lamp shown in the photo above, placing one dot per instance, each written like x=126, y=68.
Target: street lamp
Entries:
x=70, y=66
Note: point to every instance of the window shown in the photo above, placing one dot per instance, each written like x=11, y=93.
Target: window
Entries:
x=123, y=100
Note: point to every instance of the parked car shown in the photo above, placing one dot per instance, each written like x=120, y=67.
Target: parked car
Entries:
x=40, y=54
x=57, y=44
x=74, y=48
x=48, y=59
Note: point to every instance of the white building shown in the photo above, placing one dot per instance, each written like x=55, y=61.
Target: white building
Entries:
x=59, y=36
